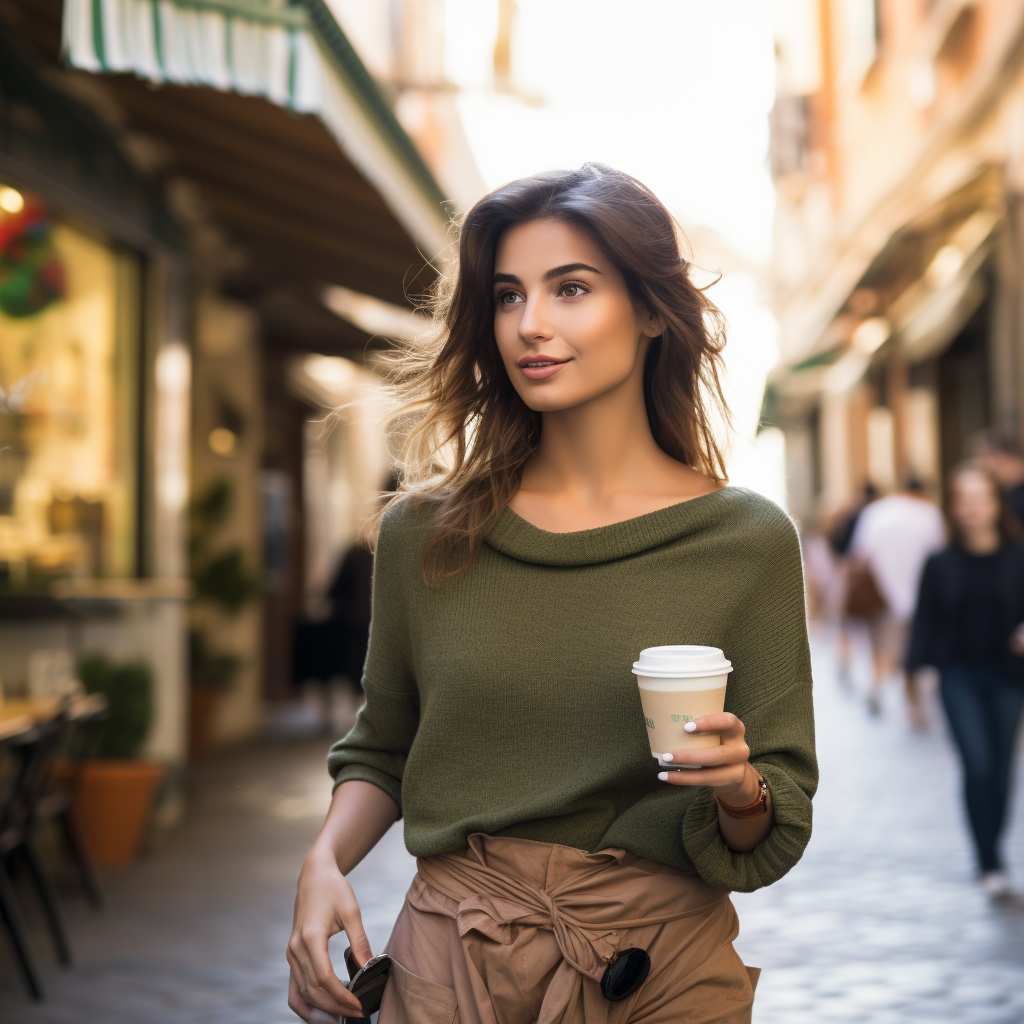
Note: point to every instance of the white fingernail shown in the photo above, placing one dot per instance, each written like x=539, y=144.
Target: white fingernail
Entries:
x=690, y=727
x=663, y=776
x=666, y=757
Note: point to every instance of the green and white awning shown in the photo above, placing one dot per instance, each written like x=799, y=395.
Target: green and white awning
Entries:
x=295, y=56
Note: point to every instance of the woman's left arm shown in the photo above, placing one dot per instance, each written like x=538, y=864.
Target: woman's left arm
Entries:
x=726, y=770
x=767, y=729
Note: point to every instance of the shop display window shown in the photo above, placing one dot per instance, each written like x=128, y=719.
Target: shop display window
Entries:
x=69, y=345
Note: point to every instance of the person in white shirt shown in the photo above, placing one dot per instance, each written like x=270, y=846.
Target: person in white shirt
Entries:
x=894, y=537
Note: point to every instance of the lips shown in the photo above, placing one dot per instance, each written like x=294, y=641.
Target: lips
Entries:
x=540, y=367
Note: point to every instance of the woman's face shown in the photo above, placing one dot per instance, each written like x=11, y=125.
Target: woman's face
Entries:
x=975, y=505
x=564, y=320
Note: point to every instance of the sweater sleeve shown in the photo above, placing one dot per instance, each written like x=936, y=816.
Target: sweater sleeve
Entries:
x=770, y=692
x=375, y=749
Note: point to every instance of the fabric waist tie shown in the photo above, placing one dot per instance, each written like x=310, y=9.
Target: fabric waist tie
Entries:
x=586, y=900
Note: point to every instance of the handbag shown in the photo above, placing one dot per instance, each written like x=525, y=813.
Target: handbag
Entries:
x=864, y=601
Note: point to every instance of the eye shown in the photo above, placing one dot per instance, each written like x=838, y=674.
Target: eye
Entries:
x=508, y=298
x=573, y=289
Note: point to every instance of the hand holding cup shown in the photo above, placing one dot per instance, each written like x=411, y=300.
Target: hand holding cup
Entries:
x=726, y=768
x=696, y=742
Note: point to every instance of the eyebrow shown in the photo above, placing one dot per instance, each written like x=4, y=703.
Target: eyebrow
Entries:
x=568, y=268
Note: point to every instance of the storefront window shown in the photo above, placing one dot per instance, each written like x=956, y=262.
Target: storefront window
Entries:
x=69, y=343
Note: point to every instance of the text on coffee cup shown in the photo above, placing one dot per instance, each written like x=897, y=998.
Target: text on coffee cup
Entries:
x=675, y=718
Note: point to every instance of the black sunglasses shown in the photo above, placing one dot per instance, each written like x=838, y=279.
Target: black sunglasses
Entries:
x=367, y=984
x=625, y=974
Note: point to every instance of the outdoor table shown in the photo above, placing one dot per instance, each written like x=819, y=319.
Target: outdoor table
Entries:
x=15, y=726
x=35, y=710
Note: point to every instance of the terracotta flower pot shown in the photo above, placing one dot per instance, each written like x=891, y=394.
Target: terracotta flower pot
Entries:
x=112, y=807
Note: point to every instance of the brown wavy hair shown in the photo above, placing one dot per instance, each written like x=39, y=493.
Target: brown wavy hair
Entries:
x=464, y=432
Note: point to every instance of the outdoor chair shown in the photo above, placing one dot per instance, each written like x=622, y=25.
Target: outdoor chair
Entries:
x=33, y=752
x=83, y=726
x=11, y=773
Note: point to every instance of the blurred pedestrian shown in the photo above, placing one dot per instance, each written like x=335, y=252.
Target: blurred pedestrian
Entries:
x=819, y=575
x=967, y=624
x=566, y=508
x=842, y=530
x=349, y=595
x=999, y=454
x=839, y=538
x=891, y=541
x=328, y=651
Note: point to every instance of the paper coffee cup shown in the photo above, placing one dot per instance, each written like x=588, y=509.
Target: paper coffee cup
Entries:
x=679, y=683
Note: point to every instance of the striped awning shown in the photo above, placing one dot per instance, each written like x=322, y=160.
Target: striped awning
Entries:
x=294, y=56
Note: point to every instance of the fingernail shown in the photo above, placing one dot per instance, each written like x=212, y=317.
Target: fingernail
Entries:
x=690, y=727
x=666, y=757
x=663, y=776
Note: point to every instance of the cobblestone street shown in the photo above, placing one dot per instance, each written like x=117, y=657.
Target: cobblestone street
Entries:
x=881, y=921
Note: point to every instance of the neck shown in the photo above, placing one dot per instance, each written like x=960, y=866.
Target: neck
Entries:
x=596, y=449
x=982, y=541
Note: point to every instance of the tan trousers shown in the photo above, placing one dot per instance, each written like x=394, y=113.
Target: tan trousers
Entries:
x=513, y=931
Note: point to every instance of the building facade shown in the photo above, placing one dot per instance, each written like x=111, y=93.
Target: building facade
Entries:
x=897, y=147
x=180, y=186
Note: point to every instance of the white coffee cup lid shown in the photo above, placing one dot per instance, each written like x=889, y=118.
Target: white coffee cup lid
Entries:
x=681, y=661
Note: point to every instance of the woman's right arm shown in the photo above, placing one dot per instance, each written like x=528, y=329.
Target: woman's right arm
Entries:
x=325, y=904
x=367, y=766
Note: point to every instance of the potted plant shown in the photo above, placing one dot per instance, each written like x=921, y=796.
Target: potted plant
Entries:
x=116, y=789
x=222, y=579
x=212, y=674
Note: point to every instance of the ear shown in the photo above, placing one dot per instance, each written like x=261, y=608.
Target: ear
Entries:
x=651, y=325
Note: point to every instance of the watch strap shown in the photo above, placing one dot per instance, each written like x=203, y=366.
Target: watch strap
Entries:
x=753, y=809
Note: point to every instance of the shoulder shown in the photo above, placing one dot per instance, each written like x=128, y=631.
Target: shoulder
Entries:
x=757, y=520
x=408, y=513
x=1014, y=552
x=757, y=513
x=907, y=506
x=885, y=513
x=404, y=527
x=930, y=512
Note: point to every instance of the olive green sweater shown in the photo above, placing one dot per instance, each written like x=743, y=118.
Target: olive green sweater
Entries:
x=504, y=702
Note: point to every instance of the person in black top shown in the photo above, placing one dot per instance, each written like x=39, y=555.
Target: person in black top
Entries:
x=968, y=625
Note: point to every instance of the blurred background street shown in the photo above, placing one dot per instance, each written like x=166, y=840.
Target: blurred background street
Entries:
x=216, y=217
x=880, y=922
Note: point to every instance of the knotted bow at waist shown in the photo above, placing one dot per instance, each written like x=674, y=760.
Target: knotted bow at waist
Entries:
x=501, y=886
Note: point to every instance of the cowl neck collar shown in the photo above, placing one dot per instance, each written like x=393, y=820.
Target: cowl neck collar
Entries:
x=515, y=537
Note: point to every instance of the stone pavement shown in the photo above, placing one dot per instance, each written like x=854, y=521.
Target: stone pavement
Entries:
x=195, y=933
x=880, y=922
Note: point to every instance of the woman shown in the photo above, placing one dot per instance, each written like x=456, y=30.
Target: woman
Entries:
x=969, y=608
x=564, y=508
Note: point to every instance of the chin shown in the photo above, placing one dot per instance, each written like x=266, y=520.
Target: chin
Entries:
x=543, y=400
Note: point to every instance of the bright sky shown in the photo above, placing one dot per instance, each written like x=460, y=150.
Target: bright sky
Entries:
x=675, y=92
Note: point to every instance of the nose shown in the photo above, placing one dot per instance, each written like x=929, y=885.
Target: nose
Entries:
x=533, y=324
